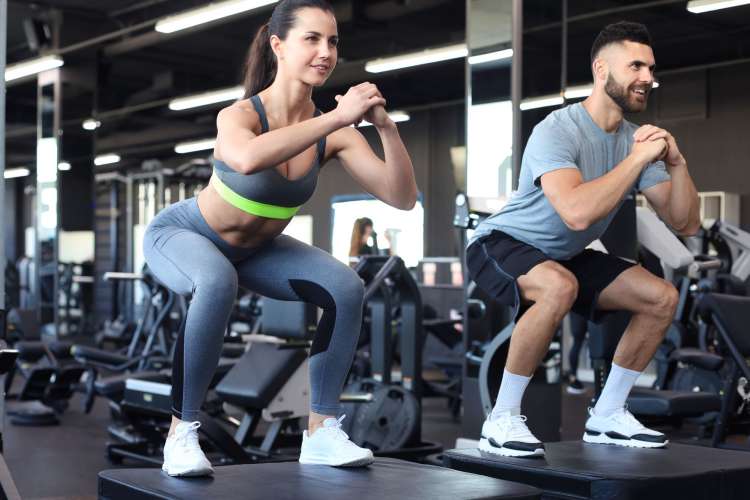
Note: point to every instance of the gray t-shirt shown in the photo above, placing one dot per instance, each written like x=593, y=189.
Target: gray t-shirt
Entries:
x=566, y=138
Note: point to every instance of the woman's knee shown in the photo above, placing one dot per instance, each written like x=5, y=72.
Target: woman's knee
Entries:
x=219, y=284
x=348, y=291
x=343, y=289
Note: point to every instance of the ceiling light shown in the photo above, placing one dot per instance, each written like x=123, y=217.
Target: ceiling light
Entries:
x=206, y=98
x=106, y=159
x=12, y=173
x=190, y=147
x=578, y=91
x=491, y=56
x=396, y=116
x=701, y=6
x=541, y=102
x=32, y=67
x=91, y=124
x=210, y=12
x=63, y=166
x=416, y=58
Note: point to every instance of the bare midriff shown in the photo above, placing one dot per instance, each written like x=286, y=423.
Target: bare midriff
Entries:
x=236, y=227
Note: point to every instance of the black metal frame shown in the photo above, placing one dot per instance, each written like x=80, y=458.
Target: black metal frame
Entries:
x=739, y=368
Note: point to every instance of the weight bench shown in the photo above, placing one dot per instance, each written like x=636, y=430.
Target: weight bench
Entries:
x=269, y=382
x=658, y=405
x=578, y=470
x=385, y=479
x=730, y=315
x=49, y=378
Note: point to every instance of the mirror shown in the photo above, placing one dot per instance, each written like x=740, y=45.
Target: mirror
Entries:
x=489, y=113
x=46, y=221
x=395, y=232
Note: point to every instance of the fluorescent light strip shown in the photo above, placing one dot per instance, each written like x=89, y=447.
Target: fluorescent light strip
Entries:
x=541, y=102
x=106, y=159
x=701, y=6
x=396, y=116
x=416, y=58
x=578, y=91
x=32, y=67
x=192, y=146
x=91, y=124
x=12, y=173
x=585, y=90
x=63, y=166
x=491, y=56
x=209, y=13
x=206, y=98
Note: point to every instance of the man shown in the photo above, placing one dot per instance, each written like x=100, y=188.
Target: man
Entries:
x=579, y=165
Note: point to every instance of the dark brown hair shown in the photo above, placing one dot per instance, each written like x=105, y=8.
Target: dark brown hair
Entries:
x=260, y=64
x=358, y=230
x=620, y=32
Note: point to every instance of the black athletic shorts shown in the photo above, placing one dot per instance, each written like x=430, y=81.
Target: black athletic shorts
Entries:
x=496, y=260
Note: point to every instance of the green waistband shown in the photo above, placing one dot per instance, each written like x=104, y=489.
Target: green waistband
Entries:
x=250, y=206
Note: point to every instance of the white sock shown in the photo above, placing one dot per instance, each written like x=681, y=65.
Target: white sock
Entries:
x=510, y=394
x=619, y=382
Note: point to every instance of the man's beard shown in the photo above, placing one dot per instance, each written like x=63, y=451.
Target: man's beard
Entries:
x=621, y=96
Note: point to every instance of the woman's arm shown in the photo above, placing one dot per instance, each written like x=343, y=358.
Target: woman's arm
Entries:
x=240, y=148
x=391, y=181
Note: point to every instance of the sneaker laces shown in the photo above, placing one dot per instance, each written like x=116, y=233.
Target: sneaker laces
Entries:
x=624, y=416
x=517, y=424
x=187, y=435
x=335, y=430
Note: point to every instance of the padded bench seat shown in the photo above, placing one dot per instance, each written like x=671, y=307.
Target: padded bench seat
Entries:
x=386, y=479
x=652, y=402
x=259, y=375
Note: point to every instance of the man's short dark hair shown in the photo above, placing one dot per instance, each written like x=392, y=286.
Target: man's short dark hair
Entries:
x=620, y=32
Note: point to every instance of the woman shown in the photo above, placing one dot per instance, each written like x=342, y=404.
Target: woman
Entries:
x=269, y=150
x=361, y=233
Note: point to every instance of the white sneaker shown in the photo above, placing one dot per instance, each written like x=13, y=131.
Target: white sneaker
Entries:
x=182, y=453
x=329, y=445
x=508, y=435
x=623, y=429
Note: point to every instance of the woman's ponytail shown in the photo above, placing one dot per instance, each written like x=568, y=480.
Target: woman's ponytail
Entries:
x=260, y=65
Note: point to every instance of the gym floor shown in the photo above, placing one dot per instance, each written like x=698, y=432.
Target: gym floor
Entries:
x=62, y=462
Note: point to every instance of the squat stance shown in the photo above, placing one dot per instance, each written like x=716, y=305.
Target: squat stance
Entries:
x=269, y=150
x=579, y=165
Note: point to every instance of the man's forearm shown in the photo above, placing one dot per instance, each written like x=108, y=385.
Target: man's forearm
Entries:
x=684, y=209
x=592, y=201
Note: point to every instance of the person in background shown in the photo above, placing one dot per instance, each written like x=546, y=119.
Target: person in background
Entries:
x=361, y=234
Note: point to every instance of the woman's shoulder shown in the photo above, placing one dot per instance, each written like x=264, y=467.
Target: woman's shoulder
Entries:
x=239, y=114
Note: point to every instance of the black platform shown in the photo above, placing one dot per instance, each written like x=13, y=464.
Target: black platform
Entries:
x=385, y=479
x=574, y=469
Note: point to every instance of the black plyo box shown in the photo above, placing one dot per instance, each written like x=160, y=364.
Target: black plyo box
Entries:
x=578, y=470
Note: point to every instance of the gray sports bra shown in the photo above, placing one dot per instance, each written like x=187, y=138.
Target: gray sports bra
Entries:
x=267, y=193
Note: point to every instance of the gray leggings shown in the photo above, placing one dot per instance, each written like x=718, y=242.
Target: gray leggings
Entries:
x=185, y=254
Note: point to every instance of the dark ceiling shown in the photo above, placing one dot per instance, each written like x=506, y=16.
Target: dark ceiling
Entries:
x=139, y=67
